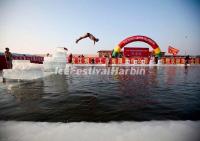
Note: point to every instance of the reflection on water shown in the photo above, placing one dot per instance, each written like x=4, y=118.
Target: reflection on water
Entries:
x=163, y=93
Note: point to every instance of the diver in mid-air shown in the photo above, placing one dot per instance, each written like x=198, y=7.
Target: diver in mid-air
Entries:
x=88, y=35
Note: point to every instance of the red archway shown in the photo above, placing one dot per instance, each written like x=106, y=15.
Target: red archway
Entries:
x=131, y=39
x=145, y=39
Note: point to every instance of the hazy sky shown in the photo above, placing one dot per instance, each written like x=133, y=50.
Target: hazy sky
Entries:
x=38, y=26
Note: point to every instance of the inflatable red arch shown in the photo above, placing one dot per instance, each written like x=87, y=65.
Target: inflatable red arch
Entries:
x=131, y=39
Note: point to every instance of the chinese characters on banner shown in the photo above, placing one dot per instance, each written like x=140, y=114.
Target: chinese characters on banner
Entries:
x=173, y=50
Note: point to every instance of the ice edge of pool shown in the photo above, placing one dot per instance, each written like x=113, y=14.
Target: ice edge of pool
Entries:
x=90, y=131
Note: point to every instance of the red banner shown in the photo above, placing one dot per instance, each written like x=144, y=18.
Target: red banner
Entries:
x=136, y=52
x=173, y=50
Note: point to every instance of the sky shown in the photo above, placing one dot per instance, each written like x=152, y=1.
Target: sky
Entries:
x=39, y=26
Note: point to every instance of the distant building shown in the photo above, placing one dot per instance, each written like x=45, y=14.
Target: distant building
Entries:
x=103, y=53
x=85, y=55
x=152, y=54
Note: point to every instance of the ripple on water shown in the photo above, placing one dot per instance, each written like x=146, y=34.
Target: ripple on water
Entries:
x=165, y=93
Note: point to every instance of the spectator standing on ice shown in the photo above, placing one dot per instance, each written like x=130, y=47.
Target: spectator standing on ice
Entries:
x=70, y=58
x=187, y=58
x=8, y=56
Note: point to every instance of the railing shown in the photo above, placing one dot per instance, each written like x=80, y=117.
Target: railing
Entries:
x=33, y=59
x=133, y=60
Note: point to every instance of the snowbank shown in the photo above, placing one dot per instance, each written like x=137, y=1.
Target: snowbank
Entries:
x=114, y=131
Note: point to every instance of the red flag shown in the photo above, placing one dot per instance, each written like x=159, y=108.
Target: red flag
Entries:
x=173, y=50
